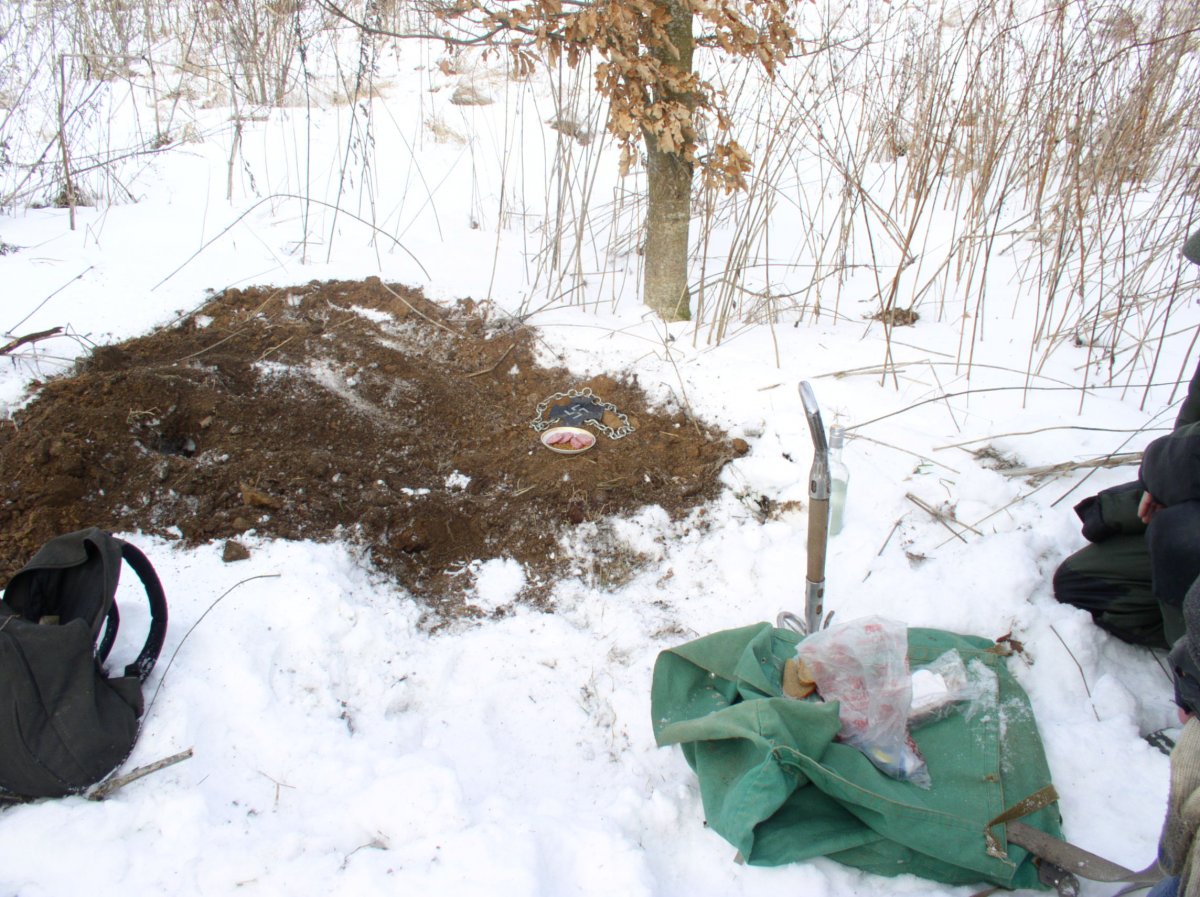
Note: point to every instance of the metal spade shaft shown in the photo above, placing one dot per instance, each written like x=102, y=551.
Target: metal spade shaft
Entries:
x=818, y=513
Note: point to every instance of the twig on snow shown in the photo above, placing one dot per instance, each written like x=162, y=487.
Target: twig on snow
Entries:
x=891, y=532
x=1095, y=712
x=941, y=517
x=107, y=787
x=39, y=306
x=994, y=436
x=272, y=198
x=897, y=448
x=1065, y=466
x=29, y=338
x=192, y=628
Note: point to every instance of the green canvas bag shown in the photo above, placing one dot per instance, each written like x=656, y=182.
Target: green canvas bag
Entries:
x=779, y=788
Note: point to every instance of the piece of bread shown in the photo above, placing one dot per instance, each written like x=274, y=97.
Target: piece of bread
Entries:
x=797, y=679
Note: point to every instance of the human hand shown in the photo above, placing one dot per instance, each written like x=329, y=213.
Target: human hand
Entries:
x=1148, y=507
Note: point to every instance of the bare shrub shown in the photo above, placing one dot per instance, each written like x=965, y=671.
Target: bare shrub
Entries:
x=900, y=151
x=256, y=44
x=930, y=143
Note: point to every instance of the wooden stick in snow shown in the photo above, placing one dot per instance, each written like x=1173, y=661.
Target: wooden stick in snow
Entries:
x=29, y=338
x=1066, y=466
x=104, y=789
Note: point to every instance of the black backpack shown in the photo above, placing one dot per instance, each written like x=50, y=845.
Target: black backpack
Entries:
x=64, y=724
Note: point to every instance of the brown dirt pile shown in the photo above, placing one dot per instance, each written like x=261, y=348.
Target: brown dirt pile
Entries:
x=342, y=410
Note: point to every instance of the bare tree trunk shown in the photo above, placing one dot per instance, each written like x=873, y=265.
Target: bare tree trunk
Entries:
x=665, y=284
x=669, y=181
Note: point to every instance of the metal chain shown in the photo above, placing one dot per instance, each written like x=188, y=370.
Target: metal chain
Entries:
x=538, y=425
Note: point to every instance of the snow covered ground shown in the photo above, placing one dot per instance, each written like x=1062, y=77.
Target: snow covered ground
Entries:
x=341, y=749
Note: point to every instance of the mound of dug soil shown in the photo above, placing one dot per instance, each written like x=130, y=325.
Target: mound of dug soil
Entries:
x=342, y=410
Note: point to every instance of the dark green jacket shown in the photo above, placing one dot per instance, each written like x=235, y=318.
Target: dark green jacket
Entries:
x=1190, y=412
x=1171, y=464
x=1170, y=472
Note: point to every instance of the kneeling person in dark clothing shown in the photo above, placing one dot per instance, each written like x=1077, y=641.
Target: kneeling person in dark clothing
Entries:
x=1146, y=535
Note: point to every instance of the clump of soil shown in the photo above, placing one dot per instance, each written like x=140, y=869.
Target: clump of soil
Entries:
x=341, y=410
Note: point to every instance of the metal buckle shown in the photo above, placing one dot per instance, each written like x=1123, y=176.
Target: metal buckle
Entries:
x=1066, y=884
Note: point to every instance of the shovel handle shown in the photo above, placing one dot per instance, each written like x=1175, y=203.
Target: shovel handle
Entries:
x=818, y=538
x=818, y=511
x=814, y=586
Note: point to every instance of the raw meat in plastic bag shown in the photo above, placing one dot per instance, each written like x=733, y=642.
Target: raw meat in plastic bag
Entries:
x=863, y=665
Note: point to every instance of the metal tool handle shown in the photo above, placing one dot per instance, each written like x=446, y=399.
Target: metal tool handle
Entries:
x=818, y=512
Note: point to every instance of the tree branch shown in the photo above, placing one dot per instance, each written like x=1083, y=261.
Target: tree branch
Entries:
x=476, y=41
x=1128, y=458
x=29, y=338
x=104, y=789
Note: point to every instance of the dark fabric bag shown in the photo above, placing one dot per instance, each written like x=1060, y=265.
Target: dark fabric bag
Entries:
x=64, y=724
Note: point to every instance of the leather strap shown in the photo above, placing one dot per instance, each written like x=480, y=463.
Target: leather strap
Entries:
x=1062, y=855
x=1076, y=859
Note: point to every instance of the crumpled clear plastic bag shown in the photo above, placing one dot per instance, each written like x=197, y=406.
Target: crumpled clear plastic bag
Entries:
x=863, y=665
x=941, y=688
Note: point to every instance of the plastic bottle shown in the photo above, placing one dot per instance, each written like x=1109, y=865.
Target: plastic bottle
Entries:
x=839, y=478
